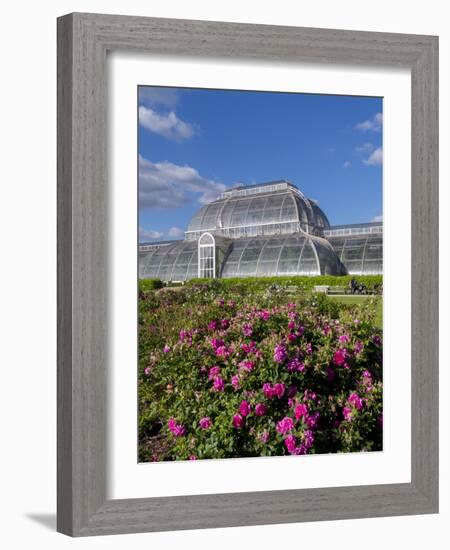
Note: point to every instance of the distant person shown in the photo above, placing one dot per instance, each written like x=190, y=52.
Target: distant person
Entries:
x=352, y=285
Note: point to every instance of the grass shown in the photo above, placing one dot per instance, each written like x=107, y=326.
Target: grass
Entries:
x=350, y=300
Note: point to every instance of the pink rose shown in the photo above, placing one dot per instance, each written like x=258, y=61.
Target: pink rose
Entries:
x=238, y=421
x=244, y=408
x=312, y=419
x=308, y=439
x=347, y=413
x=279, y=354
x=285, y=425
x=171, y=423
x=213, y=371
x=249, y=348
x=218, y=384
x=260, y=409
x=301, y=410
x=205, y=423
x=359, y=346
x=268, y=390
x=178, y=430
x=212, y=325
x=290, y=443
x=339, y=357
x=264, y=315
x=247, y=365
x=355, y=400
x=222, y=351
x=279, y=389
x=295, y=365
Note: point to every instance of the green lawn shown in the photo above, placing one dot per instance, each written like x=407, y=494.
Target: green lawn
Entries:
x=360, y=299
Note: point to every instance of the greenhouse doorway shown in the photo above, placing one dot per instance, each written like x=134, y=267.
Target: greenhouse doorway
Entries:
x=206, y=256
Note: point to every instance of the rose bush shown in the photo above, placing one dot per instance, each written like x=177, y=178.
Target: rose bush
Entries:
x=237, y=374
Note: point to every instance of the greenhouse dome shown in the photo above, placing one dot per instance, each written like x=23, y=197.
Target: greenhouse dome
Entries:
x=264, y=230
x=271, y=208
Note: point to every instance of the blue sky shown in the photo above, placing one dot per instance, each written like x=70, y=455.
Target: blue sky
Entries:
x=195, y=143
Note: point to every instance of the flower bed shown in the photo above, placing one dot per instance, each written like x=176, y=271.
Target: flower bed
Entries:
x=228, y=373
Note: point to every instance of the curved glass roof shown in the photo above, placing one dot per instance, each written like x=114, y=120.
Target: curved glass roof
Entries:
x=174, y=262
x=178, y=261
x=320, y=218
x=266, y=207
x=297, y=254
x=362, y=254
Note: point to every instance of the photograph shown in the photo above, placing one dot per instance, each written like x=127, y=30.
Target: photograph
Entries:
x=260, y=262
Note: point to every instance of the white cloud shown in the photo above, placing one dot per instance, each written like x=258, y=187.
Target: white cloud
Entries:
x=375, y=158
x=167, y=125
x=153, y=95
x=377, y=219
x=374, y=124
x=175, y=232
x=364, y=148
x=168, y=185
x=347, y=164
x=148, y=235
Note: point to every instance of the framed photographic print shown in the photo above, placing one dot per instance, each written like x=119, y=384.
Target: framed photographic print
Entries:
x=247, y=274
x=239, y=355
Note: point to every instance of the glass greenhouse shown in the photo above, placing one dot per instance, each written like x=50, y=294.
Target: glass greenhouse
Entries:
x=361, y=255
x=273, y=208
x=264, y=230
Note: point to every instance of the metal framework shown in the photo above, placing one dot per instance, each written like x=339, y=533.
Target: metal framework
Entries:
x=362, y=254
x=264, y=230
x=264, y=209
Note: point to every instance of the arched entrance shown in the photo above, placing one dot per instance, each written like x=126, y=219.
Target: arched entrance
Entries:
x=206, y=256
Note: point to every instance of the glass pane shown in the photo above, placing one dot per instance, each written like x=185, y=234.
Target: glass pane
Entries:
x=266, y=269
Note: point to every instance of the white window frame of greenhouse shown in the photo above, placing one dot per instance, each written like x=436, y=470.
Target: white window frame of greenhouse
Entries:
x=362, y=230
x=202, y=248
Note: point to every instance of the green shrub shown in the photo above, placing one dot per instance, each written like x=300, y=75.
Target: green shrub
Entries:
x=224, y=372
x=150, y=284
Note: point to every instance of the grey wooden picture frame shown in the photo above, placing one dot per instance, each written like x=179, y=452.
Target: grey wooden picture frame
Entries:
x=83, y=42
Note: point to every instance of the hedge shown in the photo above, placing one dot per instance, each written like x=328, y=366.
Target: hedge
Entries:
x=150, y=284
x=371, y=282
